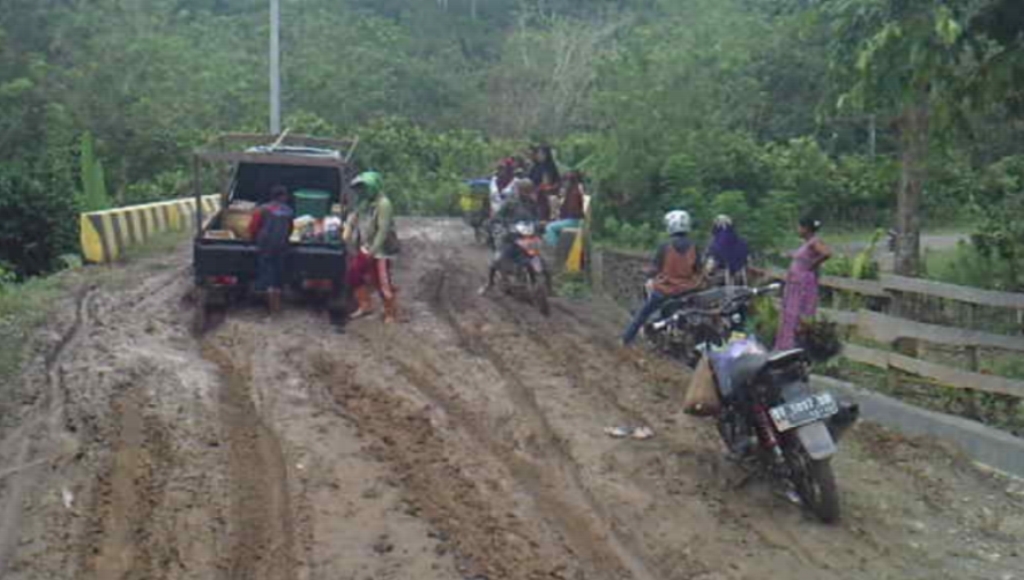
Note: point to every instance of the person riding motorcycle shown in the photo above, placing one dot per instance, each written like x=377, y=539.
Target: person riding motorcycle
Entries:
x=522, y=208
x=676, y=270
x=500, y=189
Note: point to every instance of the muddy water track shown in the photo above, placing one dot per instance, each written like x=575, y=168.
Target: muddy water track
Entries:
x=41, y=421
x=261, y=530
x=552, y=477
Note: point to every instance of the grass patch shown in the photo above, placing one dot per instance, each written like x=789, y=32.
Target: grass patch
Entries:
x=998, y=411
x=844, y=237
x=155, y=245
x=572, y=285
x=23, y=307
x=964, y=265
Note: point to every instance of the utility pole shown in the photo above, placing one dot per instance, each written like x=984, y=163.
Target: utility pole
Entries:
x=872, y=136
x=275, y=67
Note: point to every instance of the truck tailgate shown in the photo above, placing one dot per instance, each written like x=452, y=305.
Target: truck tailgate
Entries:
x=216, y=258
x=313, y=262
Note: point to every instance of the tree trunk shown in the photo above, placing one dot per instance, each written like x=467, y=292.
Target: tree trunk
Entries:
x=914, y=133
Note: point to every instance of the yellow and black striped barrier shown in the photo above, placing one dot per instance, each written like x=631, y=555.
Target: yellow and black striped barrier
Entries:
x=106, y=234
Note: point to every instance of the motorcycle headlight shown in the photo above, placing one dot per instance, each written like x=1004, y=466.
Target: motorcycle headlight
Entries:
x=524, y=228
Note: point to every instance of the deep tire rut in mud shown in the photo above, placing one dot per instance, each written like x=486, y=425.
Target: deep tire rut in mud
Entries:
x=128, y=495
x=494, y=542
x=553, y=477
x=45, y=415
x=261, y=531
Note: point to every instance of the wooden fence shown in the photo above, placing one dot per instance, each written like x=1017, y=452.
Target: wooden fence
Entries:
x=893, y=324
x=890, y=330
x=890, y=287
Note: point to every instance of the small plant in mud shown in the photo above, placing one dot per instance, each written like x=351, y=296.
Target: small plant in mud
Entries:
x=764, y=319
x=820, y=339
x=7, y=278
x=573, y=285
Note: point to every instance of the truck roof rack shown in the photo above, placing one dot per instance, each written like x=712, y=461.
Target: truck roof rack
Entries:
x=284, y=149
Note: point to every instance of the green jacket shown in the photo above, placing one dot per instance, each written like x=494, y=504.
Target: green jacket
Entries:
x=379, y=221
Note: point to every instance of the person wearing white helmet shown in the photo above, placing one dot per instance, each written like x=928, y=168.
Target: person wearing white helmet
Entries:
x=675, y=270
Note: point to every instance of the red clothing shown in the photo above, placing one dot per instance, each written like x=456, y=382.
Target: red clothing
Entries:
x=255, y=223
x=259, y=219
x=365, y=270
x=572, y=205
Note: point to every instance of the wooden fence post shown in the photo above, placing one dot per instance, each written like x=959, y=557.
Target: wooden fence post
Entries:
x=596, y=269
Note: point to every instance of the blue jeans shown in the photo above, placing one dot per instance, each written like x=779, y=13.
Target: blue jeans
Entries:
x=554, y=230
x=654, y=301
x=269, y=272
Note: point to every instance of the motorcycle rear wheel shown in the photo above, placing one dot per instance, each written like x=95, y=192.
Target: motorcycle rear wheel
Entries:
x=815, y=483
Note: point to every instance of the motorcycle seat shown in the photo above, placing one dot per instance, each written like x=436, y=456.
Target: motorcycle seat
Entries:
x=784, y=357
x=733, y=374
x=693, y=299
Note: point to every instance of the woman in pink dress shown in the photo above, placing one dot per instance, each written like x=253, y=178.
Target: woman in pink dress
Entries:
x=800, y=299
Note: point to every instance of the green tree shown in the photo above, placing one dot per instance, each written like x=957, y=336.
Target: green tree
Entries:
x=93, y=196
x=40, y=218
x=904, y=58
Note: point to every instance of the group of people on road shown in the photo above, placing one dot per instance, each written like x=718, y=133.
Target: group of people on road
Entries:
x=678, y=268
x=522, y=192
x=369, y=230
x=540, y=187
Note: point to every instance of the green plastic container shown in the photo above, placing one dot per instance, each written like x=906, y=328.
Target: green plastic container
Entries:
x=312, y=202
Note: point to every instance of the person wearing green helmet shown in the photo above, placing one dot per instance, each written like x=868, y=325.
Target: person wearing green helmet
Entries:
x=377, y=241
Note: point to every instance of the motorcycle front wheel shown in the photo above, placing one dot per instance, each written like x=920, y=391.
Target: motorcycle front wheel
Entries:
x=539, y=294
x=815, y=482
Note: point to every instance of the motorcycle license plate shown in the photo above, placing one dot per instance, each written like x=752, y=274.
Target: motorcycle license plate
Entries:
x=814, y=408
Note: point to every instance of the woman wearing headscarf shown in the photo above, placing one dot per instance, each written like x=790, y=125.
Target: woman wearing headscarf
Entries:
x=728, y=251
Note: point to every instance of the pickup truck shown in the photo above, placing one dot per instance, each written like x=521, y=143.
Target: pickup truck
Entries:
x=224, y=264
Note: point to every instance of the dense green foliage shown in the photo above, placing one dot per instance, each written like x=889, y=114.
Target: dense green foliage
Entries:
x=712, y=105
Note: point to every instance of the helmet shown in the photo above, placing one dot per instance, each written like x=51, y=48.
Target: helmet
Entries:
x=371, y=180
x=722, y=221
x=677, y=222
x=524, y=228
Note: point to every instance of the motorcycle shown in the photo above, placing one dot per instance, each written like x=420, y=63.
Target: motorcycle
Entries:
x=525, y=275
x=771, y=420
x=685, y=325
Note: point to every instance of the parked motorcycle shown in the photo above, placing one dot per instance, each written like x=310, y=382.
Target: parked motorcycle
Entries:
x=772, y=421
x=684, y=326
x=526, y=275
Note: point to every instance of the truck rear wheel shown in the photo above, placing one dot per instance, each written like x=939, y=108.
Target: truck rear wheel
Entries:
x=201, y=314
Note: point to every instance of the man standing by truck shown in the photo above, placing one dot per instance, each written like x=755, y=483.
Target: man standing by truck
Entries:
x=270, y=228
x=378, y=247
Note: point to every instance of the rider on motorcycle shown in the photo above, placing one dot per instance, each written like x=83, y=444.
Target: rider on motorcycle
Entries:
x=521, y=208
x=501, y=185
x=675, y=270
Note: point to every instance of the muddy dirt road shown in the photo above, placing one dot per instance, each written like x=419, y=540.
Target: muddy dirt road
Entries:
x=466, y=442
